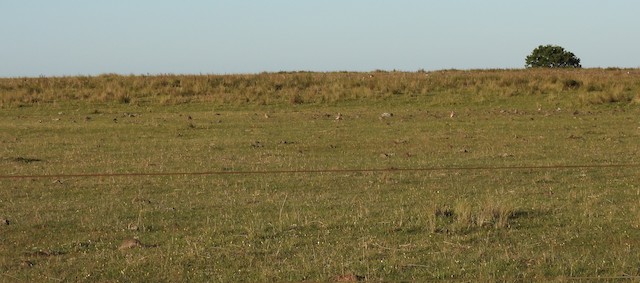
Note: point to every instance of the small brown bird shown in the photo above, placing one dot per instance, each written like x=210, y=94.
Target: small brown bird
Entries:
x=453, y=114
x=339, y=117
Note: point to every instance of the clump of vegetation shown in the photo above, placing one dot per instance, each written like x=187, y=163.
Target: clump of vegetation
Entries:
x=465, y=216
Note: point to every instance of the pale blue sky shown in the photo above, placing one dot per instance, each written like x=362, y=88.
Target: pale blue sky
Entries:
x=90, y=37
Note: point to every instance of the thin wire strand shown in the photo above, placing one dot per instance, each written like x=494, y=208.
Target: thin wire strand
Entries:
x=318, y=171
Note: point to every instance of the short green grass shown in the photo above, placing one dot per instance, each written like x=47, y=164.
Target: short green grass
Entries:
x=442, y=222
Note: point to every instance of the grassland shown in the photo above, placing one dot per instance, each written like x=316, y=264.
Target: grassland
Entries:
x=534, y=176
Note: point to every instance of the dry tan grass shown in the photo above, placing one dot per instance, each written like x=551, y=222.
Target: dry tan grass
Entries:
x=595, y=86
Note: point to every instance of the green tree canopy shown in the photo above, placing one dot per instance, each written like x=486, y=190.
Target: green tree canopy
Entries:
x=552, y=56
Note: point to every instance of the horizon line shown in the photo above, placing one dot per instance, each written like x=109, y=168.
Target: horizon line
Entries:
x=304, y=71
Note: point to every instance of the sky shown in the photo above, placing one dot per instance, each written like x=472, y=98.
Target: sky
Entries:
x=92, y=37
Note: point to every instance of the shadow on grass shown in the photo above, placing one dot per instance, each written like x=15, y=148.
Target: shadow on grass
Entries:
x=26, y=160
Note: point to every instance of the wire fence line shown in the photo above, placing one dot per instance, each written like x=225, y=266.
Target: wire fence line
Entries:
x=319, y=171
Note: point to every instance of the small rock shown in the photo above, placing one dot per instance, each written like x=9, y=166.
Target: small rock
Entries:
x=257, y=144
x=140, y=200
x=130, y=244
x=386, y=115
x=133, y=227
x=4, y=221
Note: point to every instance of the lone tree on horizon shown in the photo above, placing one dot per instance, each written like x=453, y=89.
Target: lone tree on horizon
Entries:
x=552, y=56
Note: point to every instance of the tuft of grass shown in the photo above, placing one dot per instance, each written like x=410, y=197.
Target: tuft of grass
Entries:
x=465, y=216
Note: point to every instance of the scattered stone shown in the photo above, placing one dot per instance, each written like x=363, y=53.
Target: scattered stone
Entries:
x=130, y=244
x=140, y=200
x=386, y=115
x=133, y=227
x=257, y=144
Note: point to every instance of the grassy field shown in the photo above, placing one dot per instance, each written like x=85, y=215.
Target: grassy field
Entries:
x=472, y=175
